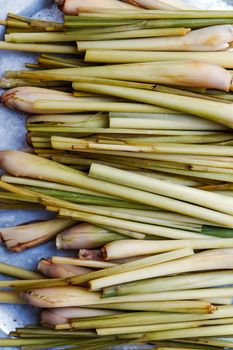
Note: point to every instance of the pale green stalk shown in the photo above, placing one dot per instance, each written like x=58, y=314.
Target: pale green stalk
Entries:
x=128, y=248
x=198, y=280
x=18, y=272
x=158, y=121
x=195, y=332
x=199, y=174
x=157, y=186
x=38, y=48
x=130, y=266
x=158, y=72
x=64, y=37
x=112, y=221
x=144, y=14
x=195, y=263
x=28, y=165
x=224, y=59
x=87, y=263
x=80, y=106
x=160, y=327
x=212, y=110
x=10, y=297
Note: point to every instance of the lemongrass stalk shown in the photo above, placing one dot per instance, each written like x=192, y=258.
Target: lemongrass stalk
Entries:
x=195, y=332
x=208, y=109
x=17, y=197
x=118, y=250
x=165, y=121
x=10, y=297
x=148, y=318
x=171, y=190
x=78, y=262
x=113, y=82
x=25, y=236
x=159, y=72
x=131, y=266
x=84, y=198
x=176, y=91
x=159, y=327
x=71, y=7
x=24, y=164
x=40, y=333
x=125, y=232
x=46, y=184
x=80, y=132
x=40, y=342
x=65, y=49
x=7, y=83
x=211, y=169
x=177, y=295
x=18, y=272
x=51, y=297
x=85, y=236
x=66, y=143
x=198, y=280
x=224, y=59
x=162, y=4
x=64, y=37
x=98, y=120
x=199, y=174
x=144, y=14
x=52, y=317
x=49, y=269
x=85, y=215
x=209, y=39
x=80, y=106
x=162, y=306
x=125, y=34
x=29, y=284
x=198, y=260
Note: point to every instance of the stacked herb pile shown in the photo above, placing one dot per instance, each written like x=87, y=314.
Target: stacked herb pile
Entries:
x=131, y=149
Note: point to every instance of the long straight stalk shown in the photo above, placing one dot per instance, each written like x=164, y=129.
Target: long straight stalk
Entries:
x=144, y=14
x=195, y=332
x=157, y=186
x=10, y=297
x=64, y=37
x=159, y=327
x=212, y=110
x=84, y=215
x=86, y=263
x=38, y=48
x=18, y=272
x=130, y=266
x=128, y=248
x=38, y=168
x=224, y=59
x=198, y=280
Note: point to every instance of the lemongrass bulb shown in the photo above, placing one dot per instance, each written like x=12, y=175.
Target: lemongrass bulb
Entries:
x=52, y=317
x=32, y=234
x=60, y=297
x=86, y=236
x=49, y=269
x=22, y=98
x=72, y=7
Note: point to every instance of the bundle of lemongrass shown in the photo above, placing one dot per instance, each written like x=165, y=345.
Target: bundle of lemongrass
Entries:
x=139, y=300
x=139, y=175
